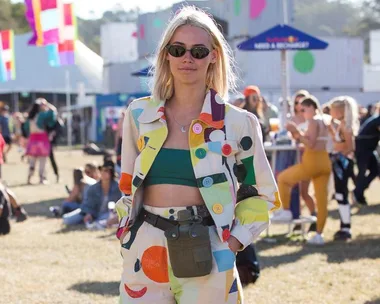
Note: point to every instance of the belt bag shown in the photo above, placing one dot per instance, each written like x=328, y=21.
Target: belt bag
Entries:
x=189, y=247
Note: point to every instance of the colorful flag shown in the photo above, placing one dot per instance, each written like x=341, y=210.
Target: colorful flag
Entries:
x=44, y=17
x=63, y=53
x=7, y=58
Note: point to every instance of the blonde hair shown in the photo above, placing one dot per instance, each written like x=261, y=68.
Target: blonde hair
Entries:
x=351, y=111
x=220, y=75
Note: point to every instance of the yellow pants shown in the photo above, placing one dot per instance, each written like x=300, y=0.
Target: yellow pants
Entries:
x=314, y=166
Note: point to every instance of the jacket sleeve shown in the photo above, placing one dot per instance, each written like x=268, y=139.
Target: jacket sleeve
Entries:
x=129, y=153
x=252, y=213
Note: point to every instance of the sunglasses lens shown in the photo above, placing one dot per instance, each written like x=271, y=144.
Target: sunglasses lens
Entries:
x=176, y=50
x=199, y=52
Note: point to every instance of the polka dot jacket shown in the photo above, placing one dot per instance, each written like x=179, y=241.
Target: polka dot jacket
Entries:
x=226, y=151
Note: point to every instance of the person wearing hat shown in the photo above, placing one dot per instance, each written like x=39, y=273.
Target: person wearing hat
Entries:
x=254, y=105
x=95, y=201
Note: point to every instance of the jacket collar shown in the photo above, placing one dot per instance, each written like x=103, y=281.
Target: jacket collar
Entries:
x=212, y=114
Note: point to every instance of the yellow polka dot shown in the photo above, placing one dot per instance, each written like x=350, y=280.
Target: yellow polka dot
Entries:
x=217, y=208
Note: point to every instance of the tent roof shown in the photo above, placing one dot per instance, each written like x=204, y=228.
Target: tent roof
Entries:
x=34, y=74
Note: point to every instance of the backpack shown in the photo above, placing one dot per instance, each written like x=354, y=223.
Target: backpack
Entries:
x=58, y=129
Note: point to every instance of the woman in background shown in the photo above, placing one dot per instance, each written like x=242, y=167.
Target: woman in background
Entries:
x=343, y=110
x=41, y=117
x=315, y=165
x=302, y=124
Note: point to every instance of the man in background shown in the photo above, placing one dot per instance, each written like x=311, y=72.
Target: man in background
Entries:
x=4, y=127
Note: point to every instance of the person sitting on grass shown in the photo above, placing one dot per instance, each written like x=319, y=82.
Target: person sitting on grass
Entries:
x=8, y=206
x=95, y=204
x=82, y=182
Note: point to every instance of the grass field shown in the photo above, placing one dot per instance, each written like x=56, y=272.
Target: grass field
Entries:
x=42, y=261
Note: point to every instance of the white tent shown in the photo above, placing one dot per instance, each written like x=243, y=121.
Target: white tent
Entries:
x=34, y=74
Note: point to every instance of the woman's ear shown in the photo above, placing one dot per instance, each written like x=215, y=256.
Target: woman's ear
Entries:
x=214, y=56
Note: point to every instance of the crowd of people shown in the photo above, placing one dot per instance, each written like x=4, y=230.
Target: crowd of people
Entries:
x=334, y=138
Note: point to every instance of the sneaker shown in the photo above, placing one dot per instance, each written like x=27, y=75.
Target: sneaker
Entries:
x=342, y=235
x=357, y=202
x=20, y=215
x=55, y=210
x=317, y=239
x=282, y=216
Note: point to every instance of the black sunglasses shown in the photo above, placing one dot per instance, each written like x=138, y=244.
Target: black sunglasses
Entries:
x=197, y=52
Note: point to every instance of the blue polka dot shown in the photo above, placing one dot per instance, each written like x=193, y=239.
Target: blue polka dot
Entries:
x=207, y=182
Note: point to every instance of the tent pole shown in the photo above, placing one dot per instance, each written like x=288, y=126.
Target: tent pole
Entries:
x=68, y=109
x=284, y=73
x=16, y=107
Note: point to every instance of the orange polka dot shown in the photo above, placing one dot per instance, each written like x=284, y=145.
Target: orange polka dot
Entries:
x=125, y=184
x=154, y=263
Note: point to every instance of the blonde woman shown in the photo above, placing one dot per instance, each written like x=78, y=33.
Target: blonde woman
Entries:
x=184, y=152
x=344, y=111
x=315, y=166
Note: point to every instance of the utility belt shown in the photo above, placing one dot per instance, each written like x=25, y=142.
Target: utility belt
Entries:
x=188, y=241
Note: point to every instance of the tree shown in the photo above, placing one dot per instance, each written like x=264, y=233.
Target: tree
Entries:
x=371, y=16
x=326, y=18
x=18, y=16
x=6, y=21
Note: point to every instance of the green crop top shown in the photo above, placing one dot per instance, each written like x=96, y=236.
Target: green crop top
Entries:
x=171, y=166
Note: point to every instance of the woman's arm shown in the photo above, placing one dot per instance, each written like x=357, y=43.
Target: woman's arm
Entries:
x=348, y=145
x=74, y=194
x=309, y=138
x=252, y=213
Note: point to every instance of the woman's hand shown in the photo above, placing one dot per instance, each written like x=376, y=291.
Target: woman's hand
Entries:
x=292, y=128
x=234, y=244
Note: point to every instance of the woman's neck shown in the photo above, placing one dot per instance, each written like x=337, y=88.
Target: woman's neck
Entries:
x=188, y=98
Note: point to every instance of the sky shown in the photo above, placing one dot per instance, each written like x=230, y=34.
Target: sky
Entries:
x=95, y=8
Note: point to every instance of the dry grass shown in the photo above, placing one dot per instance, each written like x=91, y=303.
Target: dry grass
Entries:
x=43, y=262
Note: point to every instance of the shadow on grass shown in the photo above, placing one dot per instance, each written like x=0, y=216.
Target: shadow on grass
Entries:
x=42, y=208
x=355, y=211
x=68, y=229
x=100, y=288
x=363, y=247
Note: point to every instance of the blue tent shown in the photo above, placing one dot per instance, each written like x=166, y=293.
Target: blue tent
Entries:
x=146, y=72
x=282, y=37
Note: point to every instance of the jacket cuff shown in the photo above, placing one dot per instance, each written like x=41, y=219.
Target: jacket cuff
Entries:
x=243, y=235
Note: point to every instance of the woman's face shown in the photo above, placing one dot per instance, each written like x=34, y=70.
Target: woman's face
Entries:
x=297, y=104
x=253, y=101
x=337, y=113
x=105, y=174
x=308, y=112
x=187, y=69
